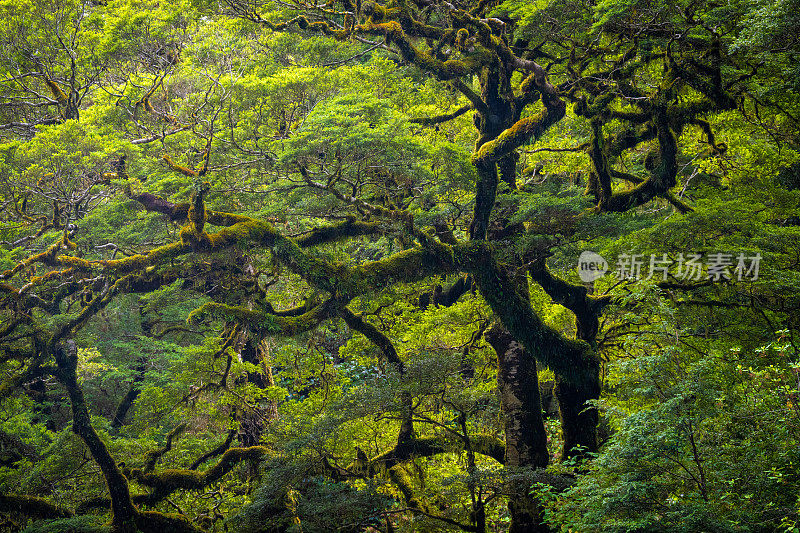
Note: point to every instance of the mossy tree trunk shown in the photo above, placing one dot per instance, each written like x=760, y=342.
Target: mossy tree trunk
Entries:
x=252, y=420
x=579, y=417
x=124, y=513
x=526, y=439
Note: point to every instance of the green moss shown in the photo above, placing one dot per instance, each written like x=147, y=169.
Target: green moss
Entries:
x=399, y=475
x=73, y=262
x=245, y=229
x=269, y=323
x=31, y=506
x=378, y=13
x=218, y=218
x=326, y=234
x=48, y=255
x=174, y=479
x=77, y=524
x=140, y=261
x=407, y=265
x=178, y=168
x=461, y=37
x=225, y=312
x=232, y=457
x=512, y=137
x=444, y=70
x=155, y=522
x=170, y=480
x=56, y=91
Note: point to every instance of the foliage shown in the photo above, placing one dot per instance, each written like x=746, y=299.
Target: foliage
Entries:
x=705, y=441
x=274, y=266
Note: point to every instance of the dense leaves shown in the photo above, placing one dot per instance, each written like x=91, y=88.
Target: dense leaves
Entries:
x=282, y=266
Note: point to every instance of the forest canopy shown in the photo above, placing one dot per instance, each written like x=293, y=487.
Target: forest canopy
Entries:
x=403, y=265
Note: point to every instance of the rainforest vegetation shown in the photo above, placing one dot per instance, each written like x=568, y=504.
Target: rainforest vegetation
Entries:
x=403, y=265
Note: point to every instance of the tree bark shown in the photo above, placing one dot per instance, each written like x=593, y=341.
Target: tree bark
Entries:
x=124, y=513
x=579, y=417
x=526, y=439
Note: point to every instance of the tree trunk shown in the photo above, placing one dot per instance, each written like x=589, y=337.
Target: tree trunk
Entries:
x=579, y=419
x=252, y=421
x=124, y=513
x=526, y=439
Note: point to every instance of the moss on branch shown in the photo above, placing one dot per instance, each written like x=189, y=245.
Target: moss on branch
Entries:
x=47, y=257
x=303, y=23
x=31, y=506
x=268, y=322
x=432, y=121
x=155, y=522
x=192, y=173
x=521, y=132
x=133, y=263
x=483, y=444
x=405, y=266
x=56, y=91
x=154, y=455
x=168, y=481
x=335, y=232
x=450, y=69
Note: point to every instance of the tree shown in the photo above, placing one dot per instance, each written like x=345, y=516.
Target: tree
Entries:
x=197, y=177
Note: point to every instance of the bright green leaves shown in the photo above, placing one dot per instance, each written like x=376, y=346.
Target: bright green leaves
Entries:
x=355, y=136
x=67, y=150
x=152, y=32
x=45, y=32
x=66, y=164
x=708, y=445
x=360, y=150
